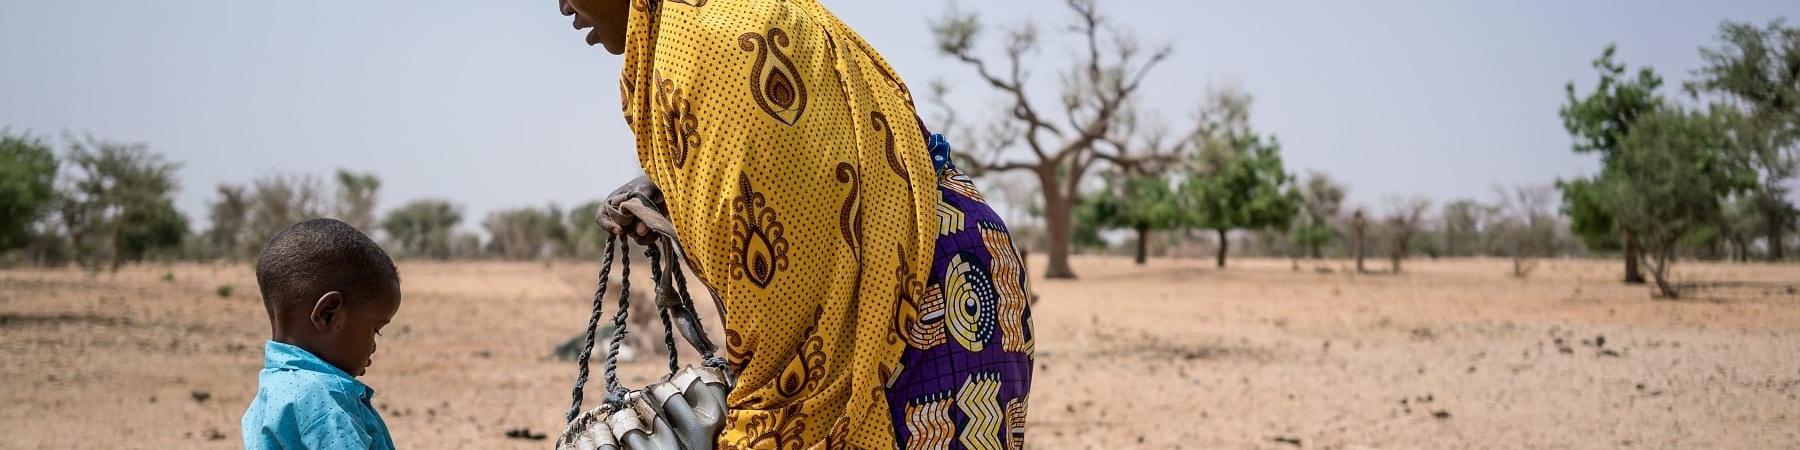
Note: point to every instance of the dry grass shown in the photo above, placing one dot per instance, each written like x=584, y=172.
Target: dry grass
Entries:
x=1451, y=354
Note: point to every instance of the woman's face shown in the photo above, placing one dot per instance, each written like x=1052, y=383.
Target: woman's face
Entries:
x=606, y=18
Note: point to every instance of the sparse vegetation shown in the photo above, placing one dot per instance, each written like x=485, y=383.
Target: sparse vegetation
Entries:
x=1699, y=173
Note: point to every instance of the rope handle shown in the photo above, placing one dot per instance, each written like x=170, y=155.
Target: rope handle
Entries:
x=587, y=346
x=674, y=303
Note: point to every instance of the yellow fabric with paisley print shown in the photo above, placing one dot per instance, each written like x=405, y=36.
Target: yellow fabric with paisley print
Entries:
x=795, y=173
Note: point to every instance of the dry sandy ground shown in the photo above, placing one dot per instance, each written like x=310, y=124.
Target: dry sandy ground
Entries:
x=1454, y=354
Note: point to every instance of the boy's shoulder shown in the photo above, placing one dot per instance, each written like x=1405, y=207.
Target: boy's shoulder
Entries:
x=291, y=372
x=299, y=408
x=304, y=402
x=296, y=399
x=307, y=388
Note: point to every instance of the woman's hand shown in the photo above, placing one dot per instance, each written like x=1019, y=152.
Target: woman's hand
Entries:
x=617, y=220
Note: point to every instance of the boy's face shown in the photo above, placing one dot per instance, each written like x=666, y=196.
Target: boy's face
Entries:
x=348, y=333
x=606, y=17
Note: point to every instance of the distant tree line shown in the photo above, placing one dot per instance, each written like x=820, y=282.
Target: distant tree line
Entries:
x=101, y=204
x=1706, y=175
x=1702, y=173
x=1101, y=163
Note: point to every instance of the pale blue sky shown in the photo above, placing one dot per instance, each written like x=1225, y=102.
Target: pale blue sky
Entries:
x=498, y=103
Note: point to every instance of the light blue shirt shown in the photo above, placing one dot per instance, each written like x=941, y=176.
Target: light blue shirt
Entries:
x=303, y=402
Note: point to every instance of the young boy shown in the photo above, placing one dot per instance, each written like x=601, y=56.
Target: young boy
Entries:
x=328, y=290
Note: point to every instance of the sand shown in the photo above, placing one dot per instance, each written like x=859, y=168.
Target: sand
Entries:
x=1176, y=354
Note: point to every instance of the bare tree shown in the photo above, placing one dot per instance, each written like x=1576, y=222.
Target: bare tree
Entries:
x=1097, y=89
x=1462, y=222
x=1360, y=225
x=466, y=245
x=1526, y=224
x=1321, y=200
x=279, y=201
x=1405, y=217
x=356, y=199
x=229, y=214
x=244, y=217
x=526, y=233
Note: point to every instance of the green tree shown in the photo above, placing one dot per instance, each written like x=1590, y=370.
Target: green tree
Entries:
x=423, y=227
x=117, y=201
x=1320, y=200
x=1238, y=181
x=1137, y=202
x=1590, y=218
x=356, y=196
x=27, y=186
x=1599, y=122
x=158, y=228
x=1675, y=168
x=1088, y=224
x=1759, y=70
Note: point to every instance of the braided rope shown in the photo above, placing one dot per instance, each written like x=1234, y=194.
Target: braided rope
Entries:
x=616, y=393
x=587, y=347
x=654, y=252
x=669, y=342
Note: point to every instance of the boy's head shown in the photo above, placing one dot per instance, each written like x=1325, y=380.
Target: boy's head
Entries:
x=328, y=289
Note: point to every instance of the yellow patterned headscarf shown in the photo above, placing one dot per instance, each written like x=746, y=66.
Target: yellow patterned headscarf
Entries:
x=795, y=172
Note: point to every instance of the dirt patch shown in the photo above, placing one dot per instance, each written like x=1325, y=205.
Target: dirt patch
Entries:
x=1449, y=354
x=10, y=320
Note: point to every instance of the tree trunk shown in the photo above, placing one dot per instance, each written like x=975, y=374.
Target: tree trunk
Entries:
x=80, y=251
x=1399, y=253
x=1776, y=242
x=1518, y=259
x=1143, y=244
x=1659, y=271
x=1632, y=254
x=1357, y=246
x=1059, y=219
x=117, y=258
x=1315, y=250
x=1224, y=244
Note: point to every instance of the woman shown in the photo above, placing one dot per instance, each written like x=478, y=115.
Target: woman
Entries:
x=872, y=300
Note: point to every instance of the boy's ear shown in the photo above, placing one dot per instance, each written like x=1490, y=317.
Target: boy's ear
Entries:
x=327, y=311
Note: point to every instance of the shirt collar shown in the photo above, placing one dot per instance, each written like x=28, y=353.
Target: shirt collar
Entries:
x=283, y=356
